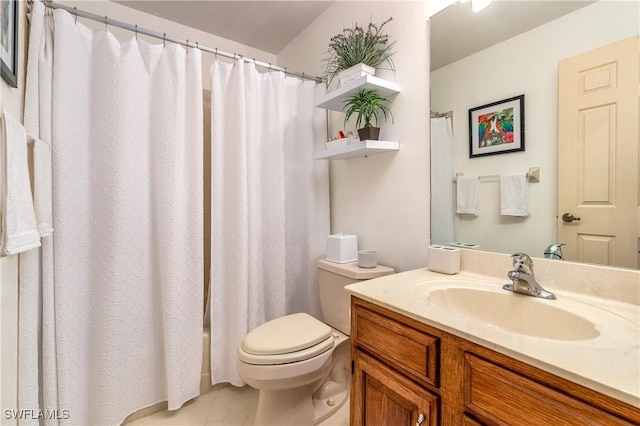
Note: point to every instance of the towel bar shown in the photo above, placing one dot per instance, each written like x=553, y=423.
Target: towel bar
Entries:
x=533, y=175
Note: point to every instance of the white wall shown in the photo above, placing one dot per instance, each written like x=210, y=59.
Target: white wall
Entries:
x=525, y=64
x=383, y=199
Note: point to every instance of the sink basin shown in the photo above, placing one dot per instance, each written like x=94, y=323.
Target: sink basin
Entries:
x=514, y=312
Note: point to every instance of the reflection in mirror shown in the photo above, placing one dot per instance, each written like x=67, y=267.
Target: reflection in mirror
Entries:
x=527, y=63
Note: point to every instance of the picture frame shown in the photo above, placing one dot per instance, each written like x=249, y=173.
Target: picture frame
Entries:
x=497, y=128
x=9, y=41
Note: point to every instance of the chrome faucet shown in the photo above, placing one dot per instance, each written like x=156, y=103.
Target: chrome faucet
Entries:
x=554, y=251
x=524, y=282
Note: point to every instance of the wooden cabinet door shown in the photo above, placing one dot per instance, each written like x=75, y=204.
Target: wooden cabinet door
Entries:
x=382, y=397
x=468, y=421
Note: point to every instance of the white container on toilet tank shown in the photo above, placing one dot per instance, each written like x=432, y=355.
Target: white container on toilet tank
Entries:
x=342, y=248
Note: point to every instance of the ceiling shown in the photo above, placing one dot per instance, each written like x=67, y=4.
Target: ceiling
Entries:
x=456, y=32
x=264, y=25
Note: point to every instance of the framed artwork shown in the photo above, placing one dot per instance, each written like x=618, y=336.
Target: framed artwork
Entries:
x=9, y=41
x=497, y=128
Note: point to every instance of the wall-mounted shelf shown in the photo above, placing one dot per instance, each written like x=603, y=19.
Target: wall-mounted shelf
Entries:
x=334, y=99
x=359, y=149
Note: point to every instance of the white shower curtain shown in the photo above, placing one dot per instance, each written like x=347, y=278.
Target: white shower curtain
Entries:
x=121, y=293
x=270, y=206
x=442, y=230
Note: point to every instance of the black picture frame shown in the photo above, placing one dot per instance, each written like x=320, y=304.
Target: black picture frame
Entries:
x=9, y=42
x=497, y=128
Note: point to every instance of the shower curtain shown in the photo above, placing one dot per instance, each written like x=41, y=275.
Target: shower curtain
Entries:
x=270, y=206
x=121, y=293
x=442, y=173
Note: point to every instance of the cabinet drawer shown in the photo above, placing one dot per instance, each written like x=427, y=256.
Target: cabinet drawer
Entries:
x=409, y=350
x=500, y=396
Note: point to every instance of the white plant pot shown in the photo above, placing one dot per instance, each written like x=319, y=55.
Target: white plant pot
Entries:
x=354, y=72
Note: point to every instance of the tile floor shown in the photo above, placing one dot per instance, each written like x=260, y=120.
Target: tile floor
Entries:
x=228, y=406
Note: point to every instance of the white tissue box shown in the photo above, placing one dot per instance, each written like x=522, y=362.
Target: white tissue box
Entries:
x=444, y=259
x=342, y=248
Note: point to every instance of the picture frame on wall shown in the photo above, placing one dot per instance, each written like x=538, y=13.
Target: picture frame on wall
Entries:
x=497, y=128
x=9, y=41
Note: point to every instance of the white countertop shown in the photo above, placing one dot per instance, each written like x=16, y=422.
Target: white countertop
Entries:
x=608, y=363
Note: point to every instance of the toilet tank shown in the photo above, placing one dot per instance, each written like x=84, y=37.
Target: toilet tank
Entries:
x=335, y=302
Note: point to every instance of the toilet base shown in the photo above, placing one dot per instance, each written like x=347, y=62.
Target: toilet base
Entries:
x=329, y=401
x=303, y=408
x=297, y=400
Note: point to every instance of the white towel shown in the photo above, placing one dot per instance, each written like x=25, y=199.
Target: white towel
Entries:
x=18, y=232
x=467, y=195
x=42, y=190
x=514, y=195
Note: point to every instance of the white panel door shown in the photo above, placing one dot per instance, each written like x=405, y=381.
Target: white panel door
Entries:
x=598, y=155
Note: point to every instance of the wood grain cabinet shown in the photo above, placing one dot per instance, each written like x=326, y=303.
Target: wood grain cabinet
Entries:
x=389, y=398
x=407, y=373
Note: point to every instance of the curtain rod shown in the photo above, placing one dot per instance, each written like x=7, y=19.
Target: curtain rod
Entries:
x=164, y=37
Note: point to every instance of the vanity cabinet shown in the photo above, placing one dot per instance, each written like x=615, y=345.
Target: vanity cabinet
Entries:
x=405, y=372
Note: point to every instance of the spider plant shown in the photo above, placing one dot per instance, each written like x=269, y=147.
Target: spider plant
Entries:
x=355, y=45
x=368, y=105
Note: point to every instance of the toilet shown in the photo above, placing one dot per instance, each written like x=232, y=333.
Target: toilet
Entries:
x=300, y=364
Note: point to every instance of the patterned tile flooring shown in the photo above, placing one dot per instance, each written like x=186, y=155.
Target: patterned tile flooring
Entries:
x=225, y=406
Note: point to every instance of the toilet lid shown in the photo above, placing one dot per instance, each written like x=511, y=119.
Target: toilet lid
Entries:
x=286, y=334
x=290, y=357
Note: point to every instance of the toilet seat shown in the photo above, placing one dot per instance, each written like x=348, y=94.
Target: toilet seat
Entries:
x=287, y=339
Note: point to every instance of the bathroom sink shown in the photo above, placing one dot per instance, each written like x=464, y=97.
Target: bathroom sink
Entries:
x=514, y=313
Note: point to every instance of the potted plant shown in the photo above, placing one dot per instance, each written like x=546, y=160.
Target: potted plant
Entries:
x=359, y=49
x=368, y=104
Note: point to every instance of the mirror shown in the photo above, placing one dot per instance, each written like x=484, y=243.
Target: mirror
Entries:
x=501, y=62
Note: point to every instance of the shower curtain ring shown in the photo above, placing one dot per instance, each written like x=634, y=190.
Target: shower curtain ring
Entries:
x=216, y=53
x=164, y=40
x=106, y=22
x=187, y=46
x=136, y=31
x=75, y=12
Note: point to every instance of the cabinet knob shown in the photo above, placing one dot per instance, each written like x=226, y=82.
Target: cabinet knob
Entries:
x=420, y=419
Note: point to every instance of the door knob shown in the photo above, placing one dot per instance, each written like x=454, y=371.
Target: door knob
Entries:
x=568, y=217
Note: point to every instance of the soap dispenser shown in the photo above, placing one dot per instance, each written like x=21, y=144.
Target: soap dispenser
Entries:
x=554, y=251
